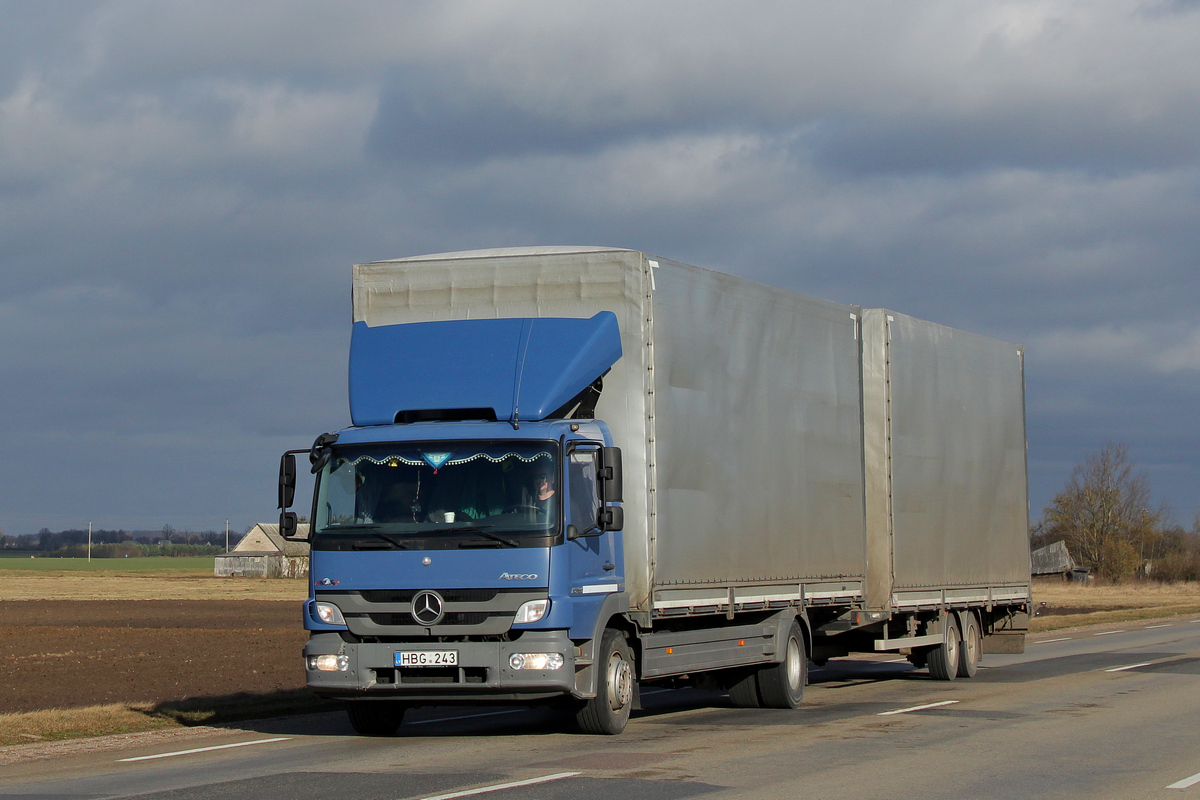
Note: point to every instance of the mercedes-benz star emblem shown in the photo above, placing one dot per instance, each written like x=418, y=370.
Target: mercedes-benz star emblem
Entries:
x=428, y=608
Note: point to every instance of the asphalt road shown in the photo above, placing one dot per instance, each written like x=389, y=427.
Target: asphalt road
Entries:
x=1095, y=713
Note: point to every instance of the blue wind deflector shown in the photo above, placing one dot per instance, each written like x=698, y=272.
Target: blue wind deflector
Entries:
x=509, y=369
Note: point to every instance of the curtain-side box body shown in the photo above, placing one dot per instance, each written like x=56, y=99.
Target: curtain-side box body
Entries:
x=773, y=442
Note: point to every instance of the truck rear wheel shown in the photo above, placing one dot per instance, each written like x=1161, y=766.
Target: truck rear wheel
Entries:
x=743, y=691
x=972, y=647
x=943, y=659
x=782, y=685
x=608, y=712
x=375, y=717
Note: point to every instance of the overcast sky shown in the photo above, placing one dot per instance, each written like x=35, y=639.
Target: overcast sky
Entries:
x=184, y=186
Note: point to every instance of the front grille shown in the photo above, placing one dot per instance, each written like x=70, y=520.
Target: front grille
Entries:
x=449, y=595
x=387, y=613
x=452, y=618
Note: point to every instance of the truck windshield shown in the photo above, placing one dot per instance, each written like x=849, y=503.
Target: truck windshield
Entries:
x=439, y=495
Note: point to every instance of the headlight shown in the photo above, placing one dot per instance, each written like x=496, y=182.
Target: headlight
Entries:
x=330, y=614
x=537, y=661
x=532, y=611
x=329, y=663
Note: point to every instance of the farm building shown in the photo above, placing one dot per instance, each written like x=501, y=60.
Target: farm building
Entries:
x=263, y=553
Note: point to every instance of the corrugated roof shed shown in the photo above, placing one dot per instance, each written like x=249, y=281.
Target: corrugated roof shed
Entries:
x=265, y=538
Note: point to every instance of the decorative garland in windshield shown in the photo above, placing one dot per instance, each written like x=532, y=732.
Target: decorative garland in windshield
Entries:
x=432, y=460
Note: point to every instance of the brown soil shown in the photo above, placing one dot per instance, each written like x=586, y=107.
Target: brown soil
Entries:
x=1062, y=611
x=69, y=653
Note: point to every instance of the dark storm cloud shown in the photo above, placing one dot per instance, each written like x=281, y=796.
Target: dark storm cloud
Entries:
x=183, y=187
x=1059, y=137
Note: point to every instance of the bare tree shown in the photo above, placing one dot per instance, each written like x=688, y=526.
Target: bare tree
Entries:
x=1104, y=514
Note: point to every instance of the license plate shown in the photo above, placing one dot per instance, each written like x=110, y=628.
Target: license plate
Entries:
x=427, y=658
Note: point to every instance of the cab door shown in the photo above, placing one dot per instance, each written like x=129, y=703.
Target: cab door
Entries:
x=593, y=566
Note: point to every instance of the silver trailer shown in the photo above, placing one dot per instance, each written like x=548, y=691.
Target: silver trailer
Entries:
x=790, y=464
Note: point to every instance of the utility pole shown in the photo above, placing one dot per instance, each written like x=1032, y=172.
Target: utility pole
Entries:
x=226, y=536
x=89, y=541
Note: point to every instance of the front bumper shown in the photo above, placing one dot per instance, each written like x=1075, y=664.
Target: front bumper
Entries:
x=482, y=673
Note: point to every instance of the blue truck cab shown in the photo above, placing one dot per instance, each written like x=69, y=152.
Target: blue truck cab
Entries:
x=466, y=542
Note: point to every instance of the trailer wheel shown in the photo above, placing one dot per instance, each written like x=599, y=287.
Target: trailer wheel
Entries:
x=943, y=658
x=972, y=647
x=782, y=685
x=375, y=717
x=743, y=689
x=608, y=711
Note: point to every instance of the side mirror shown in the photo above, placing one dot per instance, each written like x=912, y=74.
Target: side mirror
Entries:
x=610, y=475
x=612, y=518
x=287, y=525
x=287, y=481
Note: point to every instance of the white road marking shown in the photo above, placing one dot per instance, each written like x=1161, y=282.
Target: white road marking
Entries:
x=1107, y=633
x=1186, y=782
x=466, y=716
x=895, y=661
x=498, y=786
x=1130, y=666
x=1048, y=641
x=916, y=708
x=207, y=749
x=1164, y=625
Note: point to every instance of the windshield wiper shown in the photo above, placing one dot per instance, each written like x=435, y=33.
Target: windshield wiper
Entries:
x=482, y=530
x=373, y=529
x=399, y=545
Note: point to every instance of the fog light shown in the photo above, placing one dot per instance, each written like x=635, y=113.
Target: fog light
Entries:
x=330, y=614
x=532, y=611
x=535, y=661
x=329, y=663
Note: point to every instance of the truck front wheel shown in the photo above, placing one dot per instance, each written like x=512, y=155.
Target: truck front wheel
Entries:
x=782, y=685
x=375, y=717
x=608, y=712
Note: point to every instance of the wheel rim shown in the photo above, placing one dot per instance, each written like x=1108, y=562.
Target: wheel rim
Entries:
x=794, y=666
x=952, y=647
x=972, y=644
x=620, y=682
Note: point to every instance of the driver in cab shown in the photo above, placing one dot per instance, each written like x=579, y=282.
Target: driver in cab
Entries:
x=544, y=492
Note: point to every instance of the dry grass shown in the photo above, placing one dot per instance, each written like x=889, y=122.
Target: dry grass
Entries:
x=72, y=723
x=1071, y=604
x=136, y=585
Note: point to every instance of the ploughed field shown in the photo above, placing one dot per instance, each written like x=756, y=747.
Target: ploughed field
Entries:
x=72, y=653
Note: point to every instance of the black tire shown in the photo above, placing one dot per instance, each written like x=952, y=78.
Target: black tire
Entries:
x=743, y=689
x=375, y=717
x=919, y=657
x=943, y=658
x=972, y=647
x=782, y=685
x=608, y=712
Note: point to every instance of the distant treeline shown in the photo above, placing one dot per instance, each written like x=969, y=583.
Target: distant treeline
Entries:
x=138, y=550
x=121, y=543
x=1106, y=518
